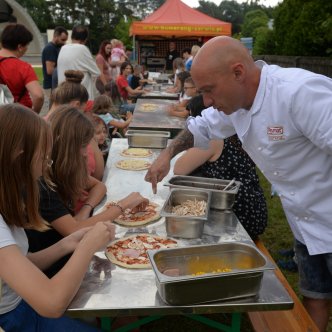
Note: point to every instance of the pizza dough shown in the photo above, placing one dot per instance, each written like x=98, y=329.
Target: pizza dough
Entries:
x=150, y=214
x=148, y=107
x=133, y=164
x=131, y=251
x=136, y=152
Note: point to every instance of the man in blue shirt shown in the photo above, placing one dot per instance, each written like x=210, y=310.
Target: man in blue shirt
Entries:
x=50, y=57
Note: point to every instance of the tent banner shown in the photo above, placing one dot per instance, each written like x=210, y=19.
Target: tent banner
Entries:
x=179, y=29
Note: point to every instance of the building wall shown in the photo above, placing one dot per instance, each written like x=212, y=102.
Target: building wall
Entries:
x=22, y=17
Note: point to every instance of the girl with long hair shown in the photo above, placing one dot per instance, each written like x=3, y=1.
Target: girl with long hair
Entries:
x=72, y=92
x=72, y=131
x=30, y=301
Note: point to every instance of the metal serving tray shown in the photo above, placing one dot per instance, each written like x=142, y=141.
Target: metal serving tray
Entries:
x=188, y=227
x=147, y=138
x=221, y=200
x=189, y=286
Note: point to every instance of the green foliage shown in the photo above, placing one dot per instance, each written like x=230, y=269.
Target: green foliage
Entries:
x=264, y=41
x=303, y=27
x=253, y=20
x=121, y=32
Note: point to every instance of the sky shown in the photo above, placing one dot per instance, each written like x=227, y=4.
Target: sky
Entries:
x=267, y=3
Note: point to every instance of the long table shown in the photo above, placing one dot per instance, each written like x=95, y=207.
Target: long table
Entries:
x=158, y=119
x=109, y=290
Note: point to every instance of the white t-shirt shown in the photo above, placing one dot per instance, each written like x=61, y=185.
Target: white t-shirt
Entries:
x=9, y=300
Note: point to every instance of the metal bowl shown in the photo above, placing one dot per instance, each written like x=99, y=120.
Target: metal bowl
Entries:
x=189, y=227
x=194, y=276
x=221, y=199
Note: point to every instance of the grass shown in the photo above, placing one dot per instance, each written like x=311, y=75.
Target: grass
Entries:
x=39, y=73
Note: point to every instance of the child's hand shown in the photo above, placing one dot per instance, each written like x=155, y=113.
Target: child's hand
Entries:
x=129, y=115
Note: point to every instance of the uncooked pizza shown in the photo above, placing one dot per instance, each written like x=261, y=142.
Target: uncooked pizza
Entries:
x=146, y=107
x=133, y=164
x=136, y=152
x=131, y=218
x=131, y=251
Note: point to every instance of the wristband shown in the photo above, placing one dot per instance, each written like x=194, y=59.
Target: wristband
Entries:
x=87, y=204
x=118, y=206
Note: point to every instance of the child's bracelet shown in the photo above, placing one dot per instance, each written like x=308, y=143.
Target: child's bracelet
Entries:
x=117, y=205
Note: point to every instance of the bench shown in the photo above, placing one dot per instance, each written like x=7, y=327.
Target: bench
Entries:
x=295, y=320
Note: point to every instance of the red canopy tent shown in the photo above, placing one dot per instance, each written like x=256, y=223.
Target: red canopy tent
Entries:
x=175, y=20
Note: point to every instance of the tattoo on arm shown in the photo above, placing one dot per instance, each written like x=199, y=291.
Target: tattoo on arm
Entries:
x=183, y=141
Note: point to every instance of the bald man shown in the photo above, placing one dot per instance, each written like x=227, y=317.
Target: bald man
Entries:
x=283, y=117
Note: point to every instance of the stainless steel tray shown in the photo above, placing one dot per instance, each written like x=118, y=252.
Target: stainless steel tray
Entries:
x=147, y=138
x=188, y=227
x=188, y=286
x=221, y=200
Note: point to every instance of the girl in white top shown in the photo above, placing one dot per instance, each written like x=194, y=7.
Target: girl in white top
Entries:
x=27, y=295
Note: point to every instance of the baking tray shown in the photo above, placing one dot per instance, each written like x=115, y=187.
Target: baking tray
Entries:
x=147, y=138
x=221, y=200
x=188, y=227
x=188, y=286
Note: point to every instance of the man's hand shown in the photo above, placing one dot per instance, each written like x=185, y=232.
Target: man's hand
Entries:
x=158, y=170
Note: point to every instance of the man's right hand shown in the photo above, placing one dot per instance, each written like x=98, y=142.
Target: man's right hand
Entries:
x=158, y=170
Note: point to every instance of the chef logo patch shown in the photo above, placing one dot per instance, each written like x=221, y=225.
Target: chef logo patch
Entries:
x=275, y=133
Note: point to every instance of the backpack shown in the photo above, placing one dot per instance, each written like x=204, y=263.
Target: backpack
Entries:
x=6, y=97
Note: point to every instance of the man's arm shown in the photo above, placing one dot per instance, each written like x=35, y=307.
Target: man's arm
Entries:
x=160, y=167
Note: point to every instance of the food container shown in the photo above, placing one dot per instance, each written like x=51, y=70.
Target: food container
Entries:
x=220, y=222
x=180, y=281
x=156, y=87
x=188, y=227
x=147, y=138
x=221, y=200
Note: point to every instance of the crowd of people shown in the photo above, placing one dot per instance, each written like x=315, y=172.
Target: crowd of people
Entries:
x=240, y=114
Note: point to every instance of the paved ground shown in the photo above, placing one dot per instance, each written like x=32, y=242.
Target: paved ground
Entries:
x=34, y=60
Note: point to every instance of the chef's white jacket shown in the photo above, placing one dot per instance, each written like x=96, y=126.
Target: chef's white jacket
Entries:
x=288, y=134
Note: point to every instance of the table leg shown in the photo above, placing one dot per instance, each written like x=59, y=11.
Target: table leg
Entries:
x=234, y=327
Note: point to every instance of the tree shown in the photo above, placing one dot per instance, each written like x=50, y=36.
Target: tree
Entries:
x=39, y=12
x=254, y=20
x=303, y=27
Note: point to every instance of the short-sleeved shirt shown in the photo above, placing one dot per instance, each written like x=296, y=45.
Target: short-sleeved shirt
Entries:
x=50, y=53
x=170, y=56
x=122, y=83
x=107, y=71
x=134, y=83
x=16, y=74
x=11, y=236
x=51, y=208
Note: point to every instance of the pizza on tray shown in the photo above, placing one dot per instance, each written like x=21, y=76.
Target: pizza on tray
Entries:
x=146, y=107
x=133, y=164
x=136, y=152
x=131, y=251
x=130, y=218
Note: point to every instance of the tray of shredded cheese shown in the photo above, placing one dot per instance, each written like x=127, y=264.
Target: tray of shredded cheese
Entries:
x=185, y=211
x=207, y=273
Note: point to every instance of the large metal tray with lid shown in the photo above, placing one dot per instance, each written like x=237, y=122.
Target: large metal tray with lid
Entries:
x=147, y=138
x=221, y=199
x=208, y=273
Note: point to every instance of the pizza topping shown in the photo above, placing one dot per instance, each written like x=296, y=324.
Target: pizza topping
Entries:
x=132, y=218
x=136, y=152
x=190, y=208
x=132, y=251
x=133, y=164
